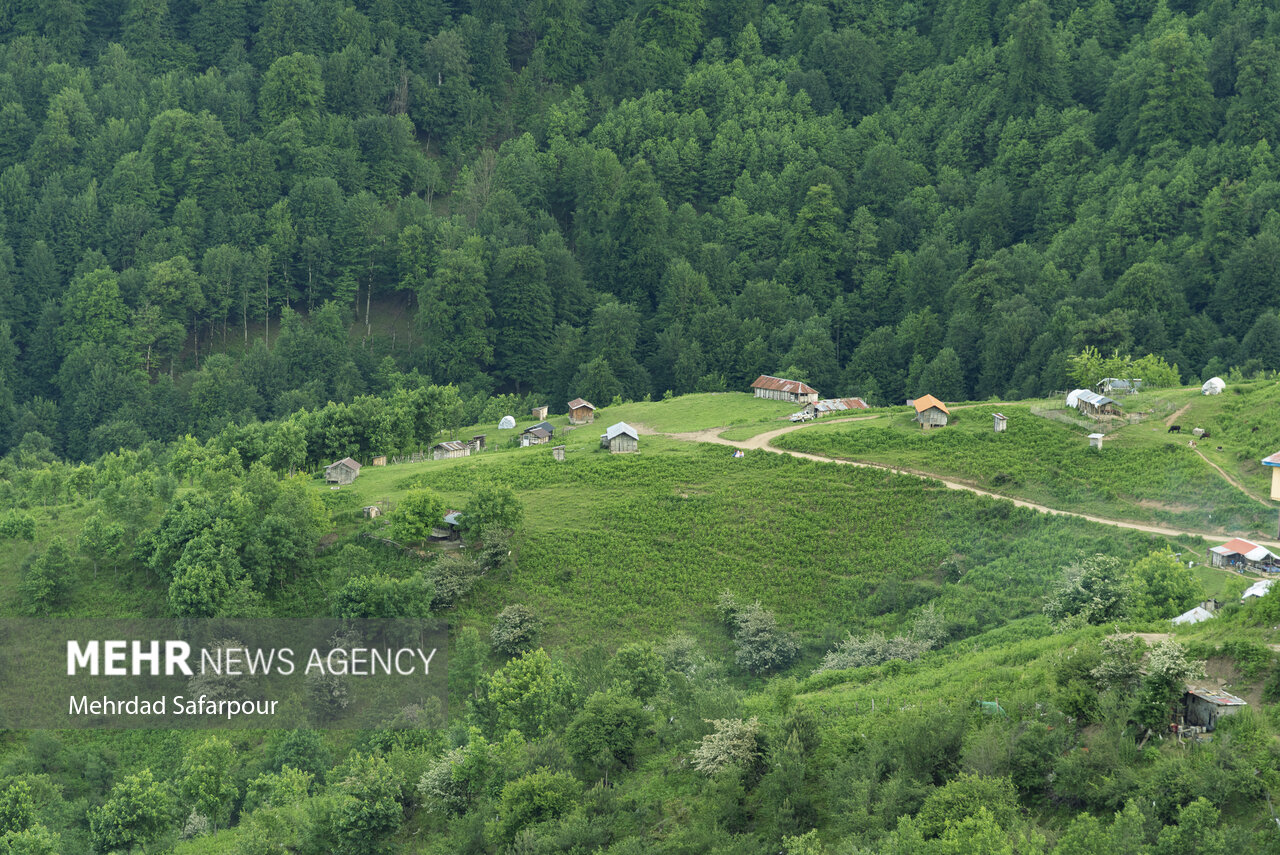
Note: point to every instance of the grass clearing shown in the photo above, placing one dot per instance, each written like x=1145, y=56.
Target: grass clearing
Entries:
x=1139, y=475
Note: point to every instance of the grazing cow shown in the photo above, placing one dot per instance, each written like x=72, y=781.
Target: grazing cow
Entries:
x=1205, y=435
x=1191, y=443
x=1253, y=429
x=1175, y=428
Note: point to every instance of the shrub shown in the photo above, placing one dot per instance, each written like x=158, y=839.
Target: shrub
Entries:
x=17, y=525
x=515, y=630
x=733, y=743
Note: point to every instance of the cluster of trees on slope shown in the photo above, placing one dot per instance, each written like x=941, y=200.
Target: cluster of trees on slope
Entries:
x=623, y=198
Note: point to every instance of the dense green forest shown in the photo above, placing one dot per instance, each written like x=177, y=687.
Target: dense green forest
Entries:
x=207, y=208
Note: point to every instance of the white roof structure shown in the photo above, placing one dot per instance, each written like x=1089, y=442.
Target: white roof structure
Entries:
x=1246, y=548
x=1084, y=395
x=1213, y=386
x=1258, y=589
x=507, y=423
x=1196, y=615
x=619, y=429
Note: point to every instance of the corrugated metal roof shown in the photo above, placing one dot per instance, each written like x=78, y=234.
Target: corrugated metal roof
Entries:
x=778, y=384
x=346, y=460
x=545, y=426
x=924, y=403
x=1258, y=589
x=453, y=517
x=452, y=445
x=578, y=403
x=620, y=428
x=1196, y=615
x=1247, y=548
x=1088, y=397
x=834, y=405
x=538, y=432
x=1217, y=697
x=1272, y=459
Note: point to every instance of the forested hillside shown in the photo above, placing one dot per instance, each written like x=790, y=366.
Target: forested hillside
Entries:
x=613, y=199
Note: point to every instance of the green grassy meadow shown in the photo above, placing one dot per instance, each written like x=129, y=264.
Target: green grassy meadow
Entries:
x=1142, y=473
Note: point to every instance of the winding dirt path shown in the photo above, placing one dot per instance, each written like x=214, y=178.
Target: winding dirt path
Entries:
x=763, y=442
x=1233, y=482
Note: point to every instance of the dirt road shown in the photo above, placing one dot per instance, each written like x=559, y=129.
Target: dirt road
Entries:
x=763, y=442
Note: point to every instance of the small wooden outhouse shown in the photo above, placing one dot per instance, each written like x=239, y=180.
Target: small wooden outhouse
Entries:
x=581, y=412
x=558, y=453
x=343, y=471
x=621, y=438
x=539, y=413
x=999, y=422
x=1095, y=440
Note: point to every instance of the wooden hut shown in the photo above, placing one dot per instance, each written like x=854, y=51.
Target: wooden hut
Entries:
x=621, y=438
x=581, y=412
x=539, y=413
x=343, y=471
x=449, y=527
x=452, y=448
x=534, y=436
x=1095, y=440
x=371, y=511
x=380, y=460
x=558, y=453
x=930, y=412
x=999, y=422
x=477, y=443
x=780, y=389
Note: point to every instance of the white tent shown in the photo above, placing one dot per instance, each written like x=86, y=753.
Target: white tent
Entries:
x=1213, y=386
x=507, y=423
x=1196, y=615
x=1073, y=397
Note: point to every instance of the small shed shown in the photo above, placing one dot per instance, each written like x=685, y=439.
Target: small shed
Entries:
x=1240, y=554
x=1095, y=440
x=539, y=413
x=1119, y=386
x=781, y=389
x=1205, y=706
x=507, y=423
x=449, y=528
x=534, y=436
x=621, y=438
x=1213, y=386
x=999, y=422
x=1092, y=403
x=581, y=412
x=452, y=448
x=930, y=412
x=558, y=453
x=380, y=460
x=343, y=471
x=371, y=511
x=477, y=443
x=1274, y=462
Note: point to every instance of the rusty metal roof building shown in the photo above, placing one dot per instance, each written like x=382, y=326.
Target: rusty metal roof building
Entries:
x=452, y=445
x=778, y=384
x=578, y=403
x=1217, y=697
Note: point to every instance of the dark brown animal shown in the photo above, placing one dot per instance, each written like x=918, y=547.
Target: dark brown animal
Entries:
x=1175, y=428
x=1253, y=429
x=1205, y=435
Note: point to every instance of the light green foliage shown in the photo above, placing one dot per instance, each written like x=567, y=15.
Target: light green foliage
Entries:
x=137, y=810
x=532, y=693
x=538, y=797
x=1089, y=366
x=101, y=540
x=417, y=514
x=1162, y=587
x=639, y=668
x=45, y=581
x=1093, y=590
x=760, y=645
x=17, y=525
x=492, y=507
x=368, y=809
x=207, y=784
